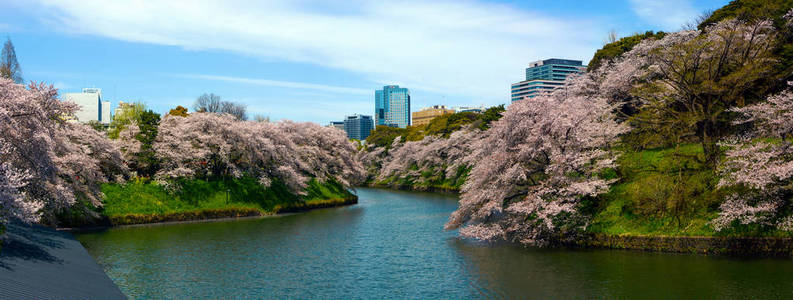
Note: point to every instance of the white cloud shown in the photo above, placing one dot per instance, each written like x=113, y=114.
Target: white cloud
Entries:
x=454, y=47
x=278, y=83
x=667, y=14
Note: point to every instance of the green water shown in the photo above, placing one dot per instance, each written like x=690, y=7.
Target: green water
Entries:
x=392, y=245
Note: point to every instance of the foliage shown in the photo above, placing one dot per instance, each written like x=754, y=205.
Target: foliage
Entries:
x=46, y=164
x=760, y=169
x=538, y=163
x=383, y=136
x=749, y=10
x=665, y=191
x=179, y=111
x=9, y=66
x=206, y=145
x=128, y=113
x=433, y=162
x=444, y=125
x=144, y=197
x=691, y=79
x=98, y=126
x=615, y=49
x=135, y=128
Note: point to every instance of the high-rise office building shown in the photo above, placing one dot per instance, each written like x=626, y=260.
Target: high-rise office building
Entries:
x=92, y=108
x=545, y=75
x=425, y=115
x=358, y=126
x=392, y=106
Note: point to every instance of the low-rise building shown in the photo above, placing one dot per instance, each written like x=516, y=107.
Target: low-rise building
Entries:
x=425, y=115
x=479, y=109
x=358, y=126
x=337, y=124
x=92, y=107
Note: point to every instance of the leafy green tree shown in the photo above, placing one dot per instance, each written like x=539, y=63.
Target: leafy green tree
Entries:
x=491, y=115
x=623, y=45
x=383, y=135
x=145, y=161
x=749, y=10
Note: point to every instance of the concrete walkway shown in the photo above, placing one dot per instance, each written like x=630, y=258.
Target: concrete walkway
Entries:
x=41, y=263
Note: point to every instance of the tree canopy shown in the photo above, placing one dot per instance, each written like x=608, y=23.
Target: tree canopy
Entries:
x=9, y=66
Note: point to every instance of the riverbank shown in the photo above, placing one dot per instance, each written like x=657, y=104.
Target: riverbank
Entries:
x=146, y=202
x=733, y=246
x=415, y=188
x=38, y=262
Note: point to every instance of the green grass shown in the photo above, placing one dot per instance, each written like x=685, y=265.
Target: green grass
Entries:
x=665, y=192
x=146, y=200
x=662, y=192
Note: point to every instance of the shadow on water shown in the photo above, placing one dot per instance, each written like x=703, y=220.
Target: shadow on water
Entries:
x=517, y=272
x=29, y=243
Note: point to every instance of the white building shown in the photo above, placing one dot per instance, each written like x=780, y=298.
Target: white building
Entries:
x=479, y=109
x=92, y=108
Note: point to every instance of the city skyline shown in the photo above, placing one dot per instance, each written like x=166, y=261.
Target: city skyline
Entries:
x=464, y=56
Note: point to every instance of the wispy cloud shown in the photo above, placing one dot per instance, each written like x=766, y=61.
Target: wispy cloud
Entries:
x=279, y=83
x=459, y=47
x=667, y=14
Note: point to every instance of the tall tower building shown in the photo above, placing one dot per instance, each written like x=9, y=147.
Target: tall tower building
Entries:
x=545, y=75
x=392, y=106
x=92, y=108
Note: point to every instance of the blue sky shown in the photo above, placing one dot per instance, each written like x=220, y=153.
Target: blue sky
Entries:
x=314, y=60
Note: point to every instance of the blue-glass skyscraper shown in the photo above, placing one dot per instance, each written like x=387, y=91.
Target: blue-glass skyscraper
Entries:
x=392, y=106
x=545, y=75
x=358, y=127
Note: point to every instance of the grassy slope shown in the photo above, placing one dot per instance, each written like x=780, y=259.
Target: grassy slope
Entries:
x=197, y=197
x=644, y=201
x=665, y=192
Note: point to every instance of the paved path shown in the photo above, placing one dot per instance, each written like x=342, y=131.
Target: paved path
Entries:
x=41, y=263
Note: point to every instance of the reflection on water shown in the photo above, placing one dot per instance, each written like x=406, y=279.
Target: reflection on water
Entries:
x=392, y=245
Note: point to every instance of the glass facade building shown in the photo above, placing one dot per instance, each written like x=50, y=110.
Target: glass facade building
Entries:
x=545, y=75
x=358, y=126
x=392, y=106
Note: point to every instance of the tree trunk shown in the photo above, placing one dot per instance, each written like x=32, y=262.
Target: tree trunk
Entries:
x=710, y=145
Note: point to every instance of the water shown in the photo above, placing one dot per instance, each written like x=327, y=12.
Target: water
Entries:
x=392, y=245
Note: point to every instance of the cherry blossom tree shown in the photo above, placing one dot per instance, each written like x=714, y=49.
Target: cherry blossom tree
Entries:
x=764, y=167
x=431, y=159
x=46, y=163
x=692, y=82
x=538, y=162
x=206, y=145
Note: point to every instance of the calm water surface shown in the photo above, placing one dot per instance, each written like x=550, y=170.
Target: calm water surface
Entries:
x=392, y=245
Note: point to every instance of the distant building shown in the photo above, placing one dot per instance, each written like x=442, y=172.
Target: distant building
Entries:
x=425, y=115
x=337, y=124
x=358, y=126
x=392, y=106
x=545, y=75
x=92, y=108
x=460, y=109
